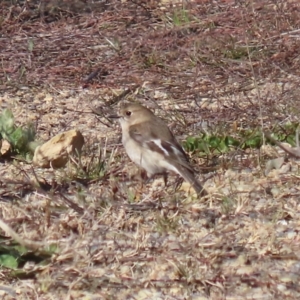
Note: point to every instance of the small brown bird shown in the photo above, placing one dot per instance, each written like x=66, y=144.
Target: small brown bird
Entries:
x=150, y=144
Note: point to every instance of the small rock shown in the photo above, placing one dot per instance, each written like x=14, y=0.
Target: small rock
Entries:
x=5, y=147
x=275, y=191
x=55, y=153
x=285, y=168
x=268, y=150
x=48, y=98
x=274, y=164
x=160, y=95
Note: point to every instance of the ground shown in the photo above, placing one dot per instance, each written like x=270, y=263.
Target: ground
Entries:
x=210, y=69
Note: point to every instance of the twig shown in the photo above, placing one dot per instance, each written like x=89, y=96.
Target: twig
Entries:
x=24, y=242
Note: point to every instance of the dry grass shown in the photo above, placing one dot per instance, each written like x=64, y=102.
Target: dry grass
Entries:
x=217, y=66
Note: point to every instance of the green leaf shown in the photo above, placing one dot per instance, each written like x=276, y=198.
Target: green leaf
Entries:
x=20, y=249
x=30, y=132
x=214, y=141
x=203, y=146
x=52, y=248
x=223, y=147
x=6, y=123
x=190, y=144
x=230, y=141
x=8, y=261
x=254, y=142
x=291, y=140
x=30, y=45
x=18, y=139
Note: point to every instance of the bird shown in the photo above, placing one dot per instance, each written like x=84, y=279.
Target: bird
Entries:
x=150, y=144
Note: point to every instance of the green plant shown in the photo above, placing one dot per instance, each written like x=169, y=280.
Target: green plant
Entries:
x=8, y=261
x=181, y=17
x=21, y=139
x=14, y=256
x=206, y=144
x=167, y=224
x=153, y=59
x=96, y=165
x=210, y=144
x=227, y=205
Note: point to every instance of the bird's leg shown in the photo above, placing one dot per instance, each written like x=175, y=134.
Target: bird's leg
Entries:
x=143, y=177
x=178, y=182
x=165, y=176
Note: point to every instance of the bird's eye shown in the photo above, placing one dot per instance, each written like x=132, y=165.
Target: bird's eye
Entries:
x=128, y=113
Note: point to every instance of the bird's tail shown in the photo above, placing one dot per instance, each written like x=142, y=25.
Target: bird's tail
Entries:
x=189, y=176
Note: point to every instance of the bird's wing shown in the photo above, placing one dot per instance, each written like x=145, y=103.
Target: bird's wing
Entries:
x=147, y=136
